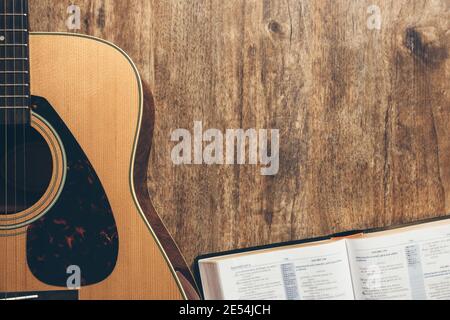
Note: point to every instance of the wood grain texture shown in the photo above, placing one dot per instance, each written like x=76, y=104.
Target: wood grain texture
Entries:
x=363, y=114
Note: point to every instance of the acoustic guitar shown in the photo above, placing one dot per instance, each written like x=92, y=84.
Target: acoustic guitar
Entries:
x=76, y=125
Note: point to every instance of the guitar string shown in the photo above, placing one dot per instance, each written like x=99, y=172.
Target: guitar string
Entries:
x=25, y=92
x=22, y=98
x=5, y=112
x=14, y=124
x=6, y=131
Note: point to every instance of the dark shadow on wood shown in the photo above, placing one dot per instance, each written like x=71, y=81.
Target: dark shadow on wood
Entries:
x=140, y=183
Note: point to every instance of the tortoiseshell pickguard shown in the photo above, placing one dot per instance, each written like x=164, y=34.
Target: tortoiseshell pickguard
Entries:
x=80, y=229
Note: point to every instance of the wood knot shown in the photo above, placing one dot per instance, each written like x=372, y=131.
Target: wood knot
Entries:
x=275, y=27
x=427, y=52
x=101, y=18
x=252, y=50
x=268, y=217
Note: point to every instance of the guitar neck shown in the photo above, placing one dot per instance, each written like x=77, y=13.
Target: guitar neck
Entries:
x=14, y=62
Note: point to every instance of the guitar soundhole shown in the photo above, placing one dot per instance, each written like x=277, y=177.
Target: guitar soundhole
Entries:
x=32, y=171
x=26, y=169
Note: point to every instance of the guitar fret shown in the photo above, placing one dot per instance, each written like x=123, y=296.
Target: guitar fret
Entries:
x=4, y=101
x=16, y=107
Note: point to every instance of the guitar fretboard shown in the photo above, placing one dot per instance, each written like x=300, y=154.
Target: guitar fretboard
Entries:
x=14, y=62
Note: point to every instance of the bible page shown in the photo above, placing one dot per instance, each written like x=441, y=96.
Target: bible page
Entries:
x=306, y=273
x=409, y=265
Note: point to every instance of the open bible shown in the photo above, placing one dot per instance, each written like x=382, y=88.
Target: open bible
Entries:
x=404, y=263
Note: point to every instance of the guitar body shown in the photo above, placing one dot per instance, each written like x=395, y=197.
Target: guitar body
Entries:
x=85, y=213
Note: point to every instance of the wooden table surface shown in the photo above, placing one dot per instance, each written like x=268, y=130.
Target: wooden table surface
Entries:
x=363, y=113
